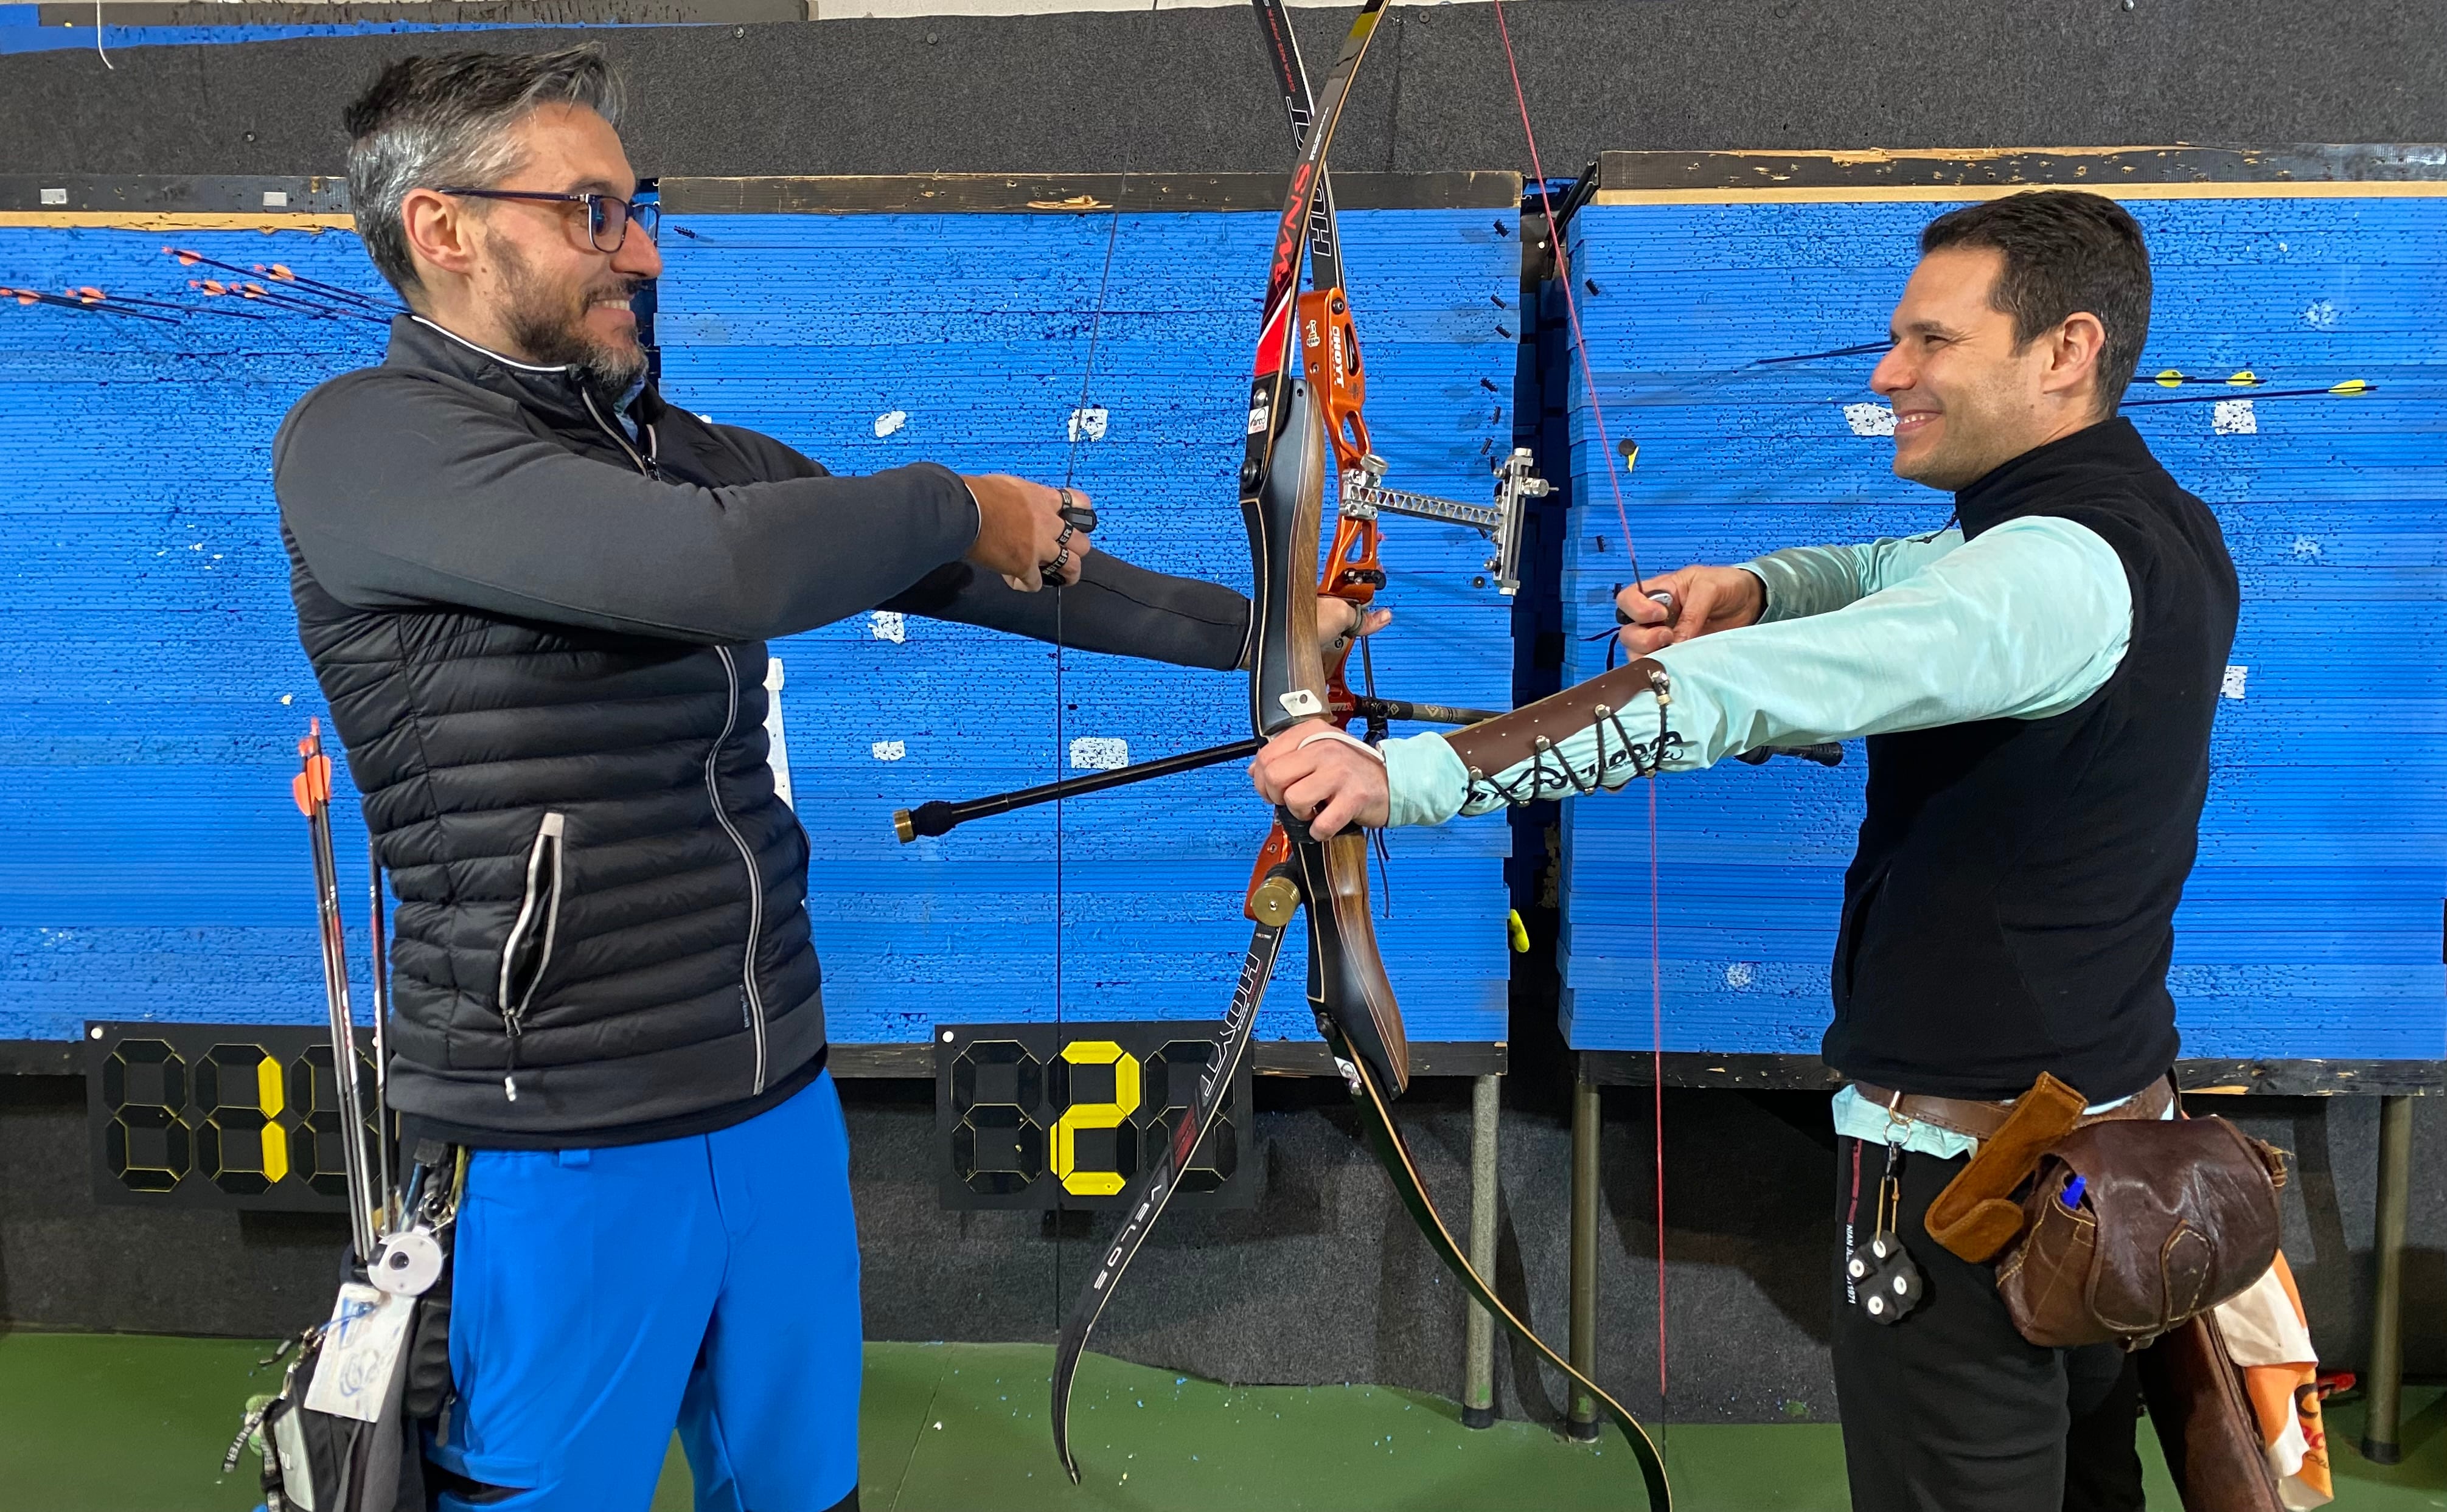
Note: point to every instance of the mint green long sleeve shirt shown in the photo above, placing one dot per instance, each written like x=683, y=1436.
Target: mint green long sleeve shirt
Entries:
x=1890, y=636
x=1894, y=635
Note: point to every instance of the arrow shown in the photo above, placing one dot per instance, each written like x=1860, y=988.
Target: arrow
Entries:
x=2350, y=389
x=34, y=296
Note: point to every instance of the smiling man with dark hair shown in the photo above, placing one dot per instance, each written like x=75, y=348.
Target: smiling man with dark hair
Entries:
x=537, y=596
x=2037, y=688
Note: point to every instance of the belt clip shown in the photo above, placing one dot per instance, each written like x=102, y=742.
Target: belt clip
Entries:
x=1898, y=1127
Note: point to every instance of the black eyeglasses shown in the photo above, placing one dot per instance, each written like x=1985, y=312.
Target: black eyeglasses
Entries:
x=608, y=216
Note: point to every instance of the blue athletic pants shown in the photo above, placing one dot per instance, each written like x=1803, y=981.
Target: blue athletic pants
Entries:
x=601, y=1296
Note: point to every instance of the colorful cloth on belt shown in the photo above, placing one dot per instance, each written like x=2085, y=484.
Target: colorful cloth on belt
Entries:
x=2270, y=1341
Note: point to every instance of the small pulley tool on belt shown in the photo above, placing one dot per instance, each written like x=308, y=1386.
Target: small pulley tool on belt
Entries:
x=1886, y=1283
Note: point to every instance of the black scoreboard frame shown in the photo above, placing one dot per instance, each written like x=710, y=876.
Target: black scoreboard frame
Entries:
x=1075, y=1109
x=177, y=1115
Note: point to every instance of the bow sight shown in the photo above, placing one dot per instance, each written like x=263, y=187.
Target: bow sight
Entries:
x=1363, y=496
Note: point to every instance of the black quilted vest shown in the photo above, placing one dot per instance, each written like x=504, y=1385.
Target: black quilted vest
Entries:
x=600, y=898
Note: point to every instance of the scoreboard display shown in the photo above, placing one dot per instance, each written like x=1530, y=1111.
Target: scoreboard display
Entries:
x=219, y=1115
x=1063, y=1115
x=1026, y=1115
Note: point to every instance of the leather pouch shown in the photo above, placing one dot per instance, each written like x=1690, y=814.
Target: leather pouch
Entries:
x=2131, y=1228
x=1976, y=1216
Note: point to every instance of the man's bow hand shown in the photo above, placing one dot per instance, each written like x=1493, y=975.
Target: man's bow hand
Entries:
x=1324, y=777
x=1340, y=619
x=1022, y=533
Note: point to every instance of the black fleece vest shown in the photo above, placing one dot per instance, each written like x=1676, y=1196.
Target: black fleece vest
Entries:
x=2011, y=908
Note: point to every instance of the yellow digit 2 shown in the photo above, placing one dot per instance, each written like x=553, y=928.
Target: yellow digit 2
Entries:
x=1095, y=1116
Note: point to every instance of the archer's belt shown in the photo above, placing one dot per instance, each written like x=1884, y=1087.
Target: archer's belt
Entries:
x=1981, y=1121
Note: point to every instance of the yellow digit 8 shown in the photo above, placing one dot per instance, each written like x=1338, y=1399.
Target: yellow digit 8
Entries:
x=1095, y=1116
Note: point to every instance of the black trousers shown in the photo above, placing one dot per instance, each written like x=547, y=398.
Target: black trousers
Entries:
x=1951, y=1409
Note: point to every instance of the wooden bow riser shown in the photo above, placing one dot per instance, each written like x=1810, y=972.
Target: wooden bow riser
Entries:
x=1334, y=874
x=1347, y=982
x=1287, y=681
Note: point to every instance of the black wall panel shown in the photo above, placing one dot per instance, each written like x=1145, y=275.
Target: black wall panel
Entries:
x=1188, y=90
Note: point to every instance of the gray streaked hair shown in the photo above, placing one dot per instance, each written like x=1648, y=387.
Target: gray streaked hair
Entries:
x=432, y=122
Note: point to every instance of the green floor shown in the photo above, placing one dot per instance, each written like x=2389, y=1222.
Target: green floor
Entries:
x=137, y=1423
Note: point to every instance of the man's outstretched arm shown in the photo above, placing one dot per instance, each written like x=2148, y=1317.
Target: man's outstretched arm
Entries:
x=1115, y=607
x=403, y=492
x=2027, y=621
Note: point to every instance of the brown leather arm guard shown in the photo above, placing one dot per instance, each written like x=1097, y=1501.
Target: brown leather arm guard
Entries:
x=1532, y=734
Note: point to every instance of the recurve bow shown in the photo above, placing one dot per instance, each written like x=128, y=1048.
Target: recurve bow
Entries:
x=1294, y=421
x=1286, y=676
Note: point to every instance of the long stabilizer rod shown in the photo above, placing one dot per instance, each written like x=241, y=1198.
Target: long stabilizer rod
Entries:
x=941, y=818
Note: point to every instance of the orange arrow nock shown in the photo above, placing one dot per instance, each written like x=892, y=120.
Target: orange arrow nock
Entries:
x=312, y=786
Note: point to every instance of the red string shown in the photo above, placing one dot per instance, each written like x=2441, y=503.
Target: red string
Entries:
x=1623, y=517
x=1657, y=1073
x=1571, y=304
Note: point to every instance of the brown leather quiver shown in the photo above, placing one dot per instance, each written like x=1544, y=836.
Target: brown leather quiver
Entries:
x=2205, y=1422
x=2131, y=1228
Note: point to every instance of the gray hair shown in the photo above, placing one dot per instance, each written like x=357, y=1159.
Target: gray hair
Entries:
x=428, y=123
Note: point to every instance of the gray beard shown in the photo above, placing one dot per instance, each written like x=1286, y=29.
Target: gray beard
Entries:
x=549, y=324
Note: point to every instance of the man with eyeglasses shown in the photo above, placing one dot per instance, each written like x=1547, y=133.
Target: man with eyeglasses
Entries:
x=536, y=596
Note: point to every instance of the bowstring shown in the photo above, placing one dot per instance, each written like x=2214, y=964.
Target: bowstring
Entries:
x=1078, y=432
x=1622, y=517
